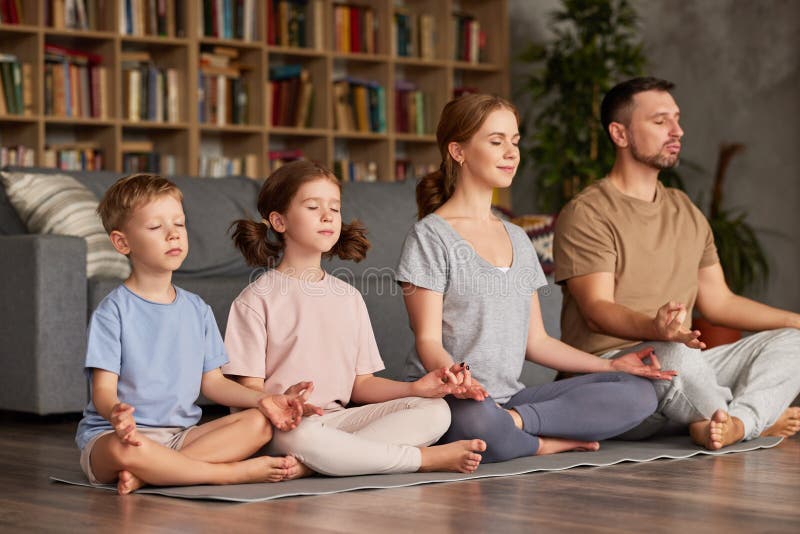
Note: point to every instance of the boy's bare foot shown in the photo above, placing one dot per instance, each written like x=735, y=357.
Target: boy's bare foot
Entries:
x=297, y=469
x=787, y=425
x=459, y=456
x=719, y=431
x=127, y=482
x=516, y=417
x=556, y=445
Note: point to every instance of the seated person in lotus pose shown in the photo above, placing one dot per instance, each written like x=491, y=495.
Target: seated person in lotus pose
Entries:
x=635, y=258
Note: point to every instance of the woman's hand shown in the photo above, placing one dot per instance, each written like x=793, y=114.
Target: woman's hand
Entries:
x=436, y=384
x=470, y=388
x=633, y=363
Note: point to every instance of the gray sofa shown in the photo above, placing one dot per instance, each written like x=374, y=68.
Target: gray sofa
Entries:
x=47, y=298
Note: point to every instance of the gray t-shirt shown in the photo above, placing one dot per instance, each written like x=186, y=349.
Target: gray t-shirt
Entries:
x=485, y=311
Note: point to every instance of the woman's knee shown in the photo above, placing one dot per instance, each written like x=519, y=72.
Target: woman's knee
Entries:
x=477, y=420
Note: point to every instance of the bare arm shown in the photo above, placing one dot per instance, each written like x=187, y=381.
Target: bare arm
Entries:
x=594, y=294
x=107, y=403
x=722, y=307
x=553, y=353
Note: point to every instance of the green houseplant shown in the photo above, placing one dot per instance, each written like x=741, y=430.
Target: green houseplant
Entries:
x=595, y=47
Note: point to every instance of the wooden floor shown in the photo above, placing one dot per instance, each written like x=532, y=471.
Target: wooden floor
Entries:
x=749, y=492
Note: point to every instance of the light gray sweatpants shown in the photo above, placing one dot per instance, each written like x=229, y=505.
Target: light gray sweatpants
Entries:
x=754, y=379
x=376, y=438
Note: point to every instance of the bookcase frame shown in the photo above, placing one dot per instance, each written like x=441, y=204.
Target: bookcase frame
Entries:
x=187, y=139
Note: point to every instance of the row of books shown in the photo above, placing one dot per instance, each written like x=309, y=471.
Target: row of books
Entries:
x=411, y=109
x=140, y=156
x=405, y=169
x=414, y=35
x=17, y=155
x=359, y=106
x=16, y=86
x=470, y=39
x=220, y=166
x=75, y=84
x=278, y=158
x=74, y=157
x=76, y=14
x=149, y=17
x=11, y=12
x=223, y=96
x=355, y=171
x=149, y=93
x=290, y=96
x=355, y=29
x=228, y=19
x=298, y=23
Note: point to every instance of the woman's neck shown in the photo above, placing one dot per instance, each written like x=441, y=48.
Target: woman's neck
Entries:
x=468, y=202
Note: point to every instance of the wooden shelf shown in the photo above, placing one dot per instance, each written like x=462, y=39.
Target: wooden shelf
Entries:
x=188, y=139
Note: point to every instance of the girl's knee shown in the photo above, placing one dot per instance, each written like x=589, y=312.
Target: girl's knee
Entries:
x=437, y=413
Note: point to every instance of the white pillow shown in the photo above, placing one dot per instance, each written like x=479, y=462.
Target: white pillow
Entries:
x=59, y=204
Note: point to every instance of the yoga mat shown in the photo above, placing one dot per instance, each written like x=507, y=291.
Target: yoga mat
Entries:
x=610, y=453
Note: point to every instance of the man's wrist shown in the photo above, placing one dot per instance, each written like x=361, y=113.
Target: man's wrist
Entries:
x=793, y=321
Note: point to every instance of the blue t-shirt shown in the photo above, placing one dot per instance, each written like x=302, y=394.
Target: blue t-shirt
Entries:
x=159, y=352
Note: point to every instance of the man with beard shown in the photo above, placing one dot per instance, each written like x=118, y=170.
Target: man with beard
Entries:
x=635, y=257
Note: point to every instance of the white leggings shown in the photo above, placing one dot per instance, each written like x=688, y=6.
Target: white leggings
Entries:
x=376, y=438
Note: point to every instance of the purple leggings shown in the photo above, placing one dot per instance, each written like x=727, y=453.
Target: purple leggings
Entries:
x=590, y=408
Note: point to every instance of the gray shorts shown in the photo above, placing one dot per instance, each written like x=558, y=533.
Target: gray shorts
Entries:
x=170, y=437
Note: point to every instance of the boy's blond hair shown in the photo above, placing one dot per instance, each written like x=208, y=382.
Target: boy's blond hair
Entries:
x=130, y=192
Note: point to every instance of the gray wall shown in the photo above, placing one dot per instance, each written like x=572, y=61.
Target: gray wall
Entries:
x=736, y=64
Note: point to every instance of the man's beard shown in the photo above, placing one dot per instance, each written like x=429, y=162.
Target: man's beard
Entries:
x=656, y=161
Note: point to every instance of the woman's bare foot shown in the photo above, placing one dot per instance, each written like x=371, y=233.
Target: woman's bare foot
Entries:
x=459, y=456
x=787, y=425
x=127, y=482
x=719, y=431
x=297, y=470
x=556, y=445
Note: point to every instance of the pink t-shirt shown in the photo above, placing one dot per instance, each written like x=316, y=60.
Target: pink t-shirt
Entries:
x=287, y=330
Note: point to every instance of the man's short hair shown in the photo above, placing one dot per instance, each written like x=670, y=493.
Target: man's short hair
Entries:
x=130, y=192
x=617, y=103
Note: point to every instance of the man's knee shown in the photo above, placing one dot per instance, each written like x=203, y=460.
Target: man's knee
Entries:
x=688, y=363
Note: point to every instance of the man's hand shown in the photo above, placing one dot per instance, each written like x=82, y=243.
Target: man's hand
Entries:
x=668, y=324
x=299, y=389
x=633, y=363
x=124, y=424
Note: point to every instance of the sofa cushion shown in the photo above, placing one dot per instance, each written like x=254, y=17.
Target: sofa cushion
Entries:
x=58, y=204
x=540, y=229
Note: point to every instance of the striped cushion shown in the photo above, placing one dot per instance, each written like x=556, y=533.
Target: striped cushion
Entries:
x=59, y=204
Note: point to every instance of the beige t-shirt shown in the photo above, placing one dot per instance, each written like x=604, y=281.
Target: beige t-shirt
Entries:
x=287, y=330
x=654, y=249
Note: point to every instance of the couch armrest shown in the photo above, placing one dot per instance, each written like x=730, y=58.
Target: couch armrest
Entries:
x=43, y=323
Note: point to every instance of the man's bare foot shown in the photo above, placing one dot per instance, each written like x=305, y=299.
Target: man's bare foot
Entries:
x=719, y=431
x=787, y=425
x=297, y=470
x=459, y=456
x=127, y=482
x=516, y=417
x=556, y=445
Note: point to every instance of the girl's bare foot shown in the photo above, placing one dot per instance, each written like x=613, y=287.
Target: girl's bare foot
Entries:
x=127, y=482
x=719, y=431
x=787, y=425
x=263, y=469
x=459, y=456
x=556, y=445
x=297, y=469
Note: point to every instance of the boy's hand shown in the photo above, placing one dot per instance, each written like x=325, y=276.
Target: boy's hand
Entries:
x=304, y=388
x=124, y=424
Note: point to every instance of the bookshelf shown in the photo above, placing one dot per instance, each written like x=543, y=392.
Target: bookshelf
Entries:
x=420, y=53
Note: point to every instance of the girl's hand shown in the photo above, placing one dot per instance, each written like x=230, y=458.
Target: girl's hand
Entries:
x=633, y=363
x=304, y=387
x=436, y=384
x=124, y=424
